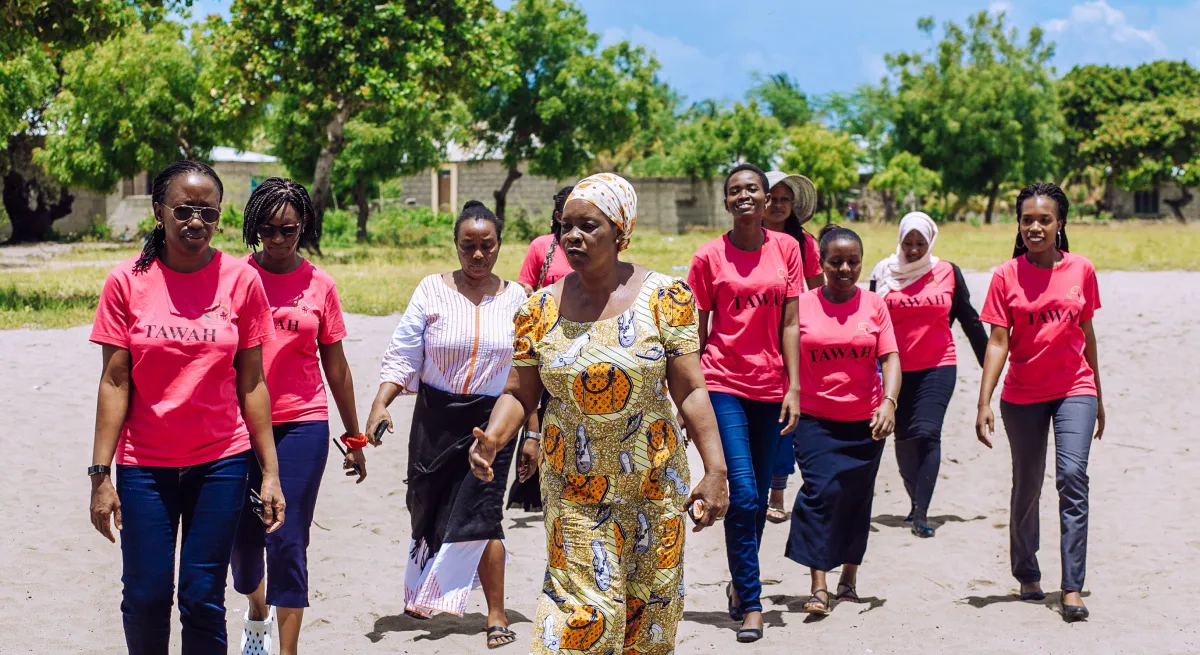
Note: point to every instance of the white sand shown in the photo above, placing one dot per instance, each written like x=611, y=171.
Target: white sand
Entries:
x=60, y=580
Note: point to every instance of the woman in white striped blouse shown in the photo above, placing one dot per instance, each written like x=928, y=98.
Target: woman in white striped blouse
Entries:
x=453, y=348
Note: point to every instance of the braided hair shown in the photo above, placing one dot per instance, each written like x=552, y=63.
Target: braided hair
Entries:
x=156, y=241
x=831, y=233
x=268, y=199
x=475, y=210
x=1052, y=191
x=560, y=201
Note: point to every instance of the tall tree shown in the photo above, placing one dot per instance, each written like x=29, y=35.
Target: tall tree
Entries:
x=781, y=96
x=556, y=102
x=340, y=58
x=981, y=108
x=827, y=157
x=867, y=115
x=903, y=179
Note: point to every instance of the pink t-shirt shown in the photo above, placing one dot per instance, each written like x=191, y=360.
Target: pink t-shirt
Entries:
x=921, y=316
x=182, y=331
x=536, y=257
x=839, y=347
x=745, y=293
x=307, y=312
x=1044, y=309
x=812, y=256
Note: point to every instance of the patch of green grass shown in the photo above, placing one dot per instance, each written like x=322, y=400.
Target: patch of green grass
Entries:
x=41, y=301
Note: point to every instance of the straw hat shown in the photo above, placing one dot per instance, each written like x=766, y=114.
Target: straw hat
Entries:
x=804, y=193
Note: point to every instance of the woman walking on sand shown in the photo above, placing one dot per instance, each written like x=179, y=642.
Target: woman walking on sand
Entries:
x=604, y=340
x=846, y=413
x=309, y=331
x=747, y=282
x=182, y=401
x=1040, y=305
x=453, y=349
x=790, y=204
x=924, y=296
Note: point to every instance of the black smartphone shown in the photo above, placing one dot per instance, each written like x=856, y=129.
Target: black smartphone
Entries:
x=256, y=504
x=691, y=511
x=383, y=426
x=339, y=447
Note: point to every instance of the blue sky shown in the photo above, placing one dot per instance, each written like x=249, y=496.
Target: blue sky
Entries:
x=710, y=48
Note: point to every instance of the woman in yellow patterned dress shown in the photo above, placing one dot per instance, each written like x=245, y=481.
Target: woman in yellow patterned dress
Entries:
x=605, y=341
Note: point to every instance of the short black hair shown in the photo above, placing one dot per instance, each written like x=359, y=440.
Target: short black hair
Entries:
x=831, y=233
x=475, y=210
x=266, y=202
x=157, y=239
x=762, y=177
x=1052, y=191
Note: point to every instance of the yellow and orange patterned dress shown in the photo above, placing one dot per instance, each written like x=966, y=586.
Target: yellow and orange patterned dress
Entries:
x=614, y=471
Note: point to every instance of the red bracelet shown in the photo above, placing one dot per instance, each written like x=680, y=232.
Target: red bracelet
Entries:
x=357, y=442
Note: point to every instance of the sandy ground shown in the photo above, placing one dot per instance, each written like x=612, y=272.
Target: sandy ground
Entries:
x=60, y=581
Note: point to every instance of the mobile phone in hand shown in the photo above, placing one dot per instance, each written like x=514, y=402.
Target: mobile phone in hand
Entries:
x=256, y=504
x=379, y=431
x=344, y=453
x=694, y=513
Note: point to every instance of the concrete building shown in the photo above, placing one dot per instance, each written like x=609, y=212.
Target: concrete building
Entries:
x=1154, y=203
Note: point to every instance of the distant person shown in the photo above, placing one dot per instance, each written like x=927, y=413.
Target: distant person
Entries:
x=746, y=284
x=1040, y=305
x=924, y=296
x=790, y=204
x=457, y=375
x=604, y=340
x=851, y=213
x=309, y=330
x=846, y=413
x=182, y=402
x=544, y=263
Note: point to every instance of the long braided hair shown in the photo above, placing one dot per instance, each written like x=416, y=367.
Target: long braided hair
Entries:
x=560, y=201
x=1052, y=191
x=156, y=241
x=266, y=202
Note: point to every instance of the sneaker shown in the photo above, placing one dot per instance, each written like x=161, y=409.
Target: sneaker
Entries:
x=256, y=635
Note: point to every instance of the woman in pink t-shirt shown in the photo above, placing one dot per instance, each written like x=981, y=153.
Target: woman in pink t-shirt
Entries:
x=1040, y=306
x=924, y=295
x=182, y=402
x=790, y=204
x=309, y=330
x=746, y=283
x=845, y=334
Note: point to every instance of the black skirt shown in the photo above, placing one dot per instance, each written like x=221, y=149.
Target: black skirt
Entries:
x=446, y=501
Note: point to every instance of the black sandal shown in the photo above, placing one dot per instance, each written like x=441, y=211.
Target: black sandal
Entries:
x=496, y=634
x=815, y=605
x=849, y=595
x=749, y=635
x=735, y=612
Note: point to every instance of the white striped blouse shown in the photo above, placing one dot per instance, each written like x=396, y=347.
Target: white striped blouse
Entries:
x=446, y=341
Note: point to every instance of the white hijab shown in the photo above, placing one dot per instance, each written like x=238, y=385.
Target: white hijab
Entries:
x=896, y=272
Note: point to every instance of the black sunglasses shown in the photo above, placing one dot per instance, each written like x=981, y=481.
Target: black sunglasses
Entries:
x=269, y=231
x=185, y=213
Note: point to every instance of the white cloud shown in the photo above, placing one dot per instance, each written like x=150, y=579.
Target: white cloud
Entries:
x=1097, y=21
x=1000, y=8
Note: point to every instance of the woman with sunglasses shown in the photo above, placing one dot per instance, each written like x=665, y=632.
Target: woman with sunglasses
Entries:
x=182, y=401
x=309, y=331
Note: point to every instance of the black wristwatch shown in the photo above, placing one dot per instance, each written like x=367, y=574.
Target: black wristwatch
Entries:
x=99, y=469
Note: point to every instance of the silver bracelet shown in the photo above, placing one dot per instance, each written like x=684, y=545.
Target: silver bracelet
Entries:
x=536, y=436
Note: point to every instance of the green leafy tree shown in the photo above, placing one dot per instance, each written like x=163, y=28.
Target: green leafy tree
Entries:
x=980, y=109
x=62, y=25
x=711, y=139
x=829, y=158
x=556, y=101
x=782, y=98
x=903, y=179
x=867, y=115
x=136, y=103
x=340, y=58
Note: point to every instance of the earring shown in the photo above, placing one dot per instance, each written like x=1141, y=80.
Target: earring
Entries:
x=158, y=226
x=1058, y=239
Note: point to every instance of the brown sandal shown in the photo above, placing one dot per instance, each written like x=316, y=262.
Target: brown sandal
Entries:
x=776, y=514
x=498, y=636
x=815, y=605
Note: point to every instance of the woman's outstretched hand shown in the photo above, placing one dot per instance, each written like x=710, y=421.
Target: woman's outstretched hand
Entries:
x=482, y=456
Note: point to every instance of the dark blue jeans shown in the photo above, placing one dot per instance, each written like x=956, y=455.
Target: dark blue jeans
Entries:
x=750, y=438
x=155, y=500
x=920, y=412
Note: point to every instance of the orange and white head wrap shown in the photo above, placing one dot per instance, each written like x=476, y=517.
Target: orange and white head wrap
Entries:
x=613, y=195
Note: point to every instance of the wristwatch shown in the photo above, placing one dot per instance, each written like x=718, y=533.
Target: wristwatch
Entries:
x=99, y=469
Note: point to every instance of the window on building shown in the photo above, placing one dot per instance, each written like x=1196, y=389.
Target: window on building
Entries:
x=1145, y=202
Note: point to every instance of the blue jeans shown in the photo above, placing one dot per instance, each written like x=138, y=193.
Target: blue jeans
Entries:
x=155, y=500
x=750, y=438
x=303, y=449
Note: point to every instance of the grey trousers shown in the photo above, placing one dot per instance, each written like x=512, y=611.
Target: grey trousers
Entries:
x=1028, y=427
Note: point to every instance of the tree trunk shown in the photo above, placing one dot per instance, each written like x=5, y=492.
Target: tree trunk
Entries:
x=31, y=197
x=364, y=211
x=1178, y=204
x=334, y=137
x=501, y=194
x=987, y=216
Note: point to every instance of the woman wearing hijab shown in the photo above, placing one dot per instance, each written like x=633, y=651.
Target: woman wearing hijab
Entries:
x=453, y=348
x=604, y=341
x=791, y=202
x=924, y=295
